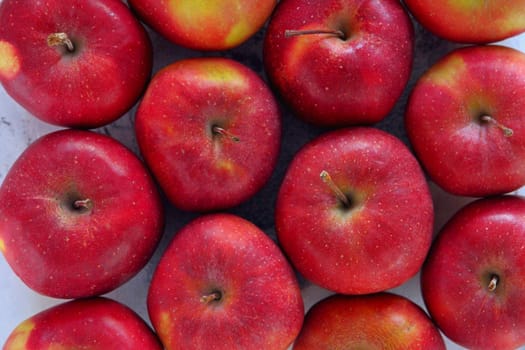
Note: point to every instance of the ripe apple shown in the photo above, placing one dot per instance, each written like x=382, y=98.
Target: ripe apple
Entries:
x=473, y=280
x=470, y=21
x=73, y=63
x=209, y=129
x=95, y=324
x=339, y=62
x=354, y=212
x=465, y=119
x=222, y=283
x=79, y=215
x=205, y=25
x=374, y=321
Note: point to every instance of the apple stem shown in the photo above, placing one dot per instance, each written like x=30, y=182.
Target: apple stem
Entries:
x=57, y=39
x=221, y=131
x=213, y=296
x=493, y=283
x=82, y=204
x=327, y=179
x=508, y=132
x=291, y=32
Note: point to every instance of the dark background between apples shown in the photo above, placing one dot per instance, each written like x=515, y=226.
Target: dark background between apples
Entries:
x=259, y=209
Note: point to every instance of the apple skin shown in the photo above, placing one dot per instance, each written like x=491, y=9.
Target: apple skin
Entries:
x=205, y=25
x=377, y=243
x=66, y=252
x=90, y=87
x=470, y=21
x=329, y=81
x=95, y=324
x=485, y=238
x=461, y=153
x=260, y=305
x=374, y=321
x=199, y=169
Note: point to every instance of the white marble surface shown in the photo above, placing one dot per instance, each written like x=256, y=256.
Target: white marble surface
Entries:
x=18, y=129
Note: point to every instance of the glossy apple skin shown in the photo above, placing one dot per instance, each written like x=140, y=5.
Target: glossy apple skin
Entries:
x=198, y=169
x=63, y=252
x=95, y=324
x=261, y=305
x=484, y=238
x=374, y=321
x=461, y=153
x=470, y=21
x=382, y=239
x=90, y=87
x=332, y=82
x=205, y=25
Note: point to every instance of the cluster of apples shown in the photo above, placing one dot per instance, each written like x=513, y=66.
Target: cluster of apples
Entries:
x=81, y=214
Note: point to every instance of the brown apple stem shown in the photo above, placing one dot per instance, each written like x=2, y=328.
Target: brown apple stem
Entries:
x=508, y=132
x=83, y=204
x=327, y=179
x=60, y=39
x=213, y=296
x=493, y=283
x=226, y=133
x=291, y=32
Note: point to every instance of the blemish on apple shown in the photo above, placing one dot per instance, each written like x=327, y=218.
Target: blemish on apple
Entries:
x=9, y=61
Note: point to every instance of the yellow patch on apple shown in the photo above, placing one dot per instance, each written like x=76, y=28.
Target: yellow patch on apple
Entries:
x=237, y=33
x=225, y=164
x=165, y=326
x=455, y=66
x=186, y=11
x=18, y=339
x=2, y=246
x=9, y=62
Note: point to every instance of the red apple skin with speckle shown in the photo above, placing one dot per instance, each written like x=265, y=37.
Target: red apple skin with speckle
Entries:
x=483, y=241
x=471, y=21
x=79, y=214
x=259, y=303
x=374, y=321
x=95, y=324
x=96, y=83
x=381, y=238
x=332, y=81
x=198, y=168
x=464, y=154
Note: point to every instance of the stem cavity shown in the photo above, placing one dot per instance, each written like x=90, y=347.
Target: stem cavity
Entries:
x=60, y=39
x=217, y=130
x=343, y=198
x=507, y=132
x=209, y=298
x=83, y=205
x=493, y=283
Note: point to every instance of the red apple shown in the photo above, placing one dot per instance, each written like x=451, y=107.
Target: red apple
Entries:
x=470, y=21
x=209, y=129
x=79, y=215
x=375, y=321
x=474, y=278
x=73, y=63
x=205, y=25
x=465, y=119
x=95, y=324
x=224, y=284
x=339, y=62
x=354, y=212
